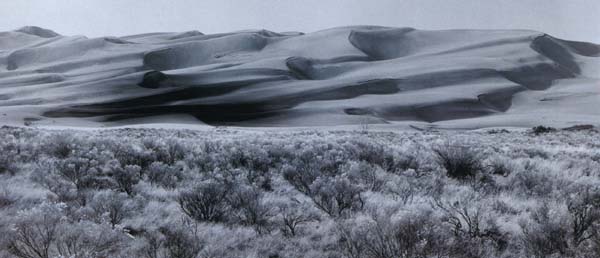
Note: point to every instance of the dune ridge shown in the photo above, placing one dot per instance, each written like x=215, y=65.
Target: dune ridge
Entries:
x=346, y=75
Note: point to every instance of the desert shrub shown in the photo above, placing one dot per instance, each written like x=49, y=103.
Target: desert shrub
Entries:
x=251, y=157
x=168, y=151
x=60, y=145
x=375, y=154
x=460, y=162
x=300, y=177
x=150, y=245
x=34, y=232
x=497, y=131
x=500, y=166
x=126, y=178
x=571, y=231
x=351, y=239
x=10, y=152
x=503, y=207
x=112, y=207
x=336, y=195
x=79, y=171
x=62, y=190
x=595, y=244
x=7, y=164
x=264, y=182
x=6, y=198
x=164, y=175
x=546, y=234
x=406, y=161
x=206, y=202
x=584, y=210
x=471, y=227
x=371, y=176
x=87, y=239
x=536, y=153
x=532, y=183
x=131, y=153
x=408, y=237
x=71, y=179
x=402, y=188
x=540, y=129
x=414, y=235
x=293, y=214
x=180, y=241
x=249, y=208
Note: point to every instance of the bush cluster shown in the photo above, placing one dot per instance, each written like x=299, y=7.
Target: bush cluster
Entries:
x=232, y=193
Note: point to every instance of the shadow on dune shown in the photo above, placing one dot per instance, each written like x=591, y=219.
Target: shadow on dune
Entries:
x=179, y=83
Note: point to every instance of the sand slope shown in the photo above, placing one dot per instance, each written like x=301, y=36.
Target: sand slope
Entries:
x=347, y=75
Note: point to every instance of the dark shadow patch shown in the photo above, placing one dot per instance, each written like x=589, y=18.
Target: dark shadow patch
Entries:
x=218, y=113
x=557, y=52
x=358, y=111
x=383, y=44
x=319, y=69
x=582, y=48
x=500, y=100
x=446, y=78
x=300, y=67
x=153, y=79
x=458, y=109
x=538, y=77
x=451, y=110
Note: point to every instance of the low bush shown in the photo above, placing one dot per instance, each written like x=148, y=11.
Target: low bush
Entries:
x=336, y=196
x=460, y=162
x=249, y=209
x=540, y=129
x=206, y=202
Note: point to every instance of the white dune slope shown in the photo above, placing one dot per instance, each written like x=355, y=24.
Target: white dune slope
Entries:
x=350, y=75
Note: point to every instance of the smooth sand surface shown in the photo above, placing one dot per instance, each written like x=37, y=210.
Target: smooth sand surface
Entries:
x=345, y=76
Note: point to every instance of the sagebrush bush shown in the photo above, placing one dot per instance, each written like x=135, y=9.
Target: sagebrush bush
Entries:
x=206, y=202
x=336, y=196
x=112, y=207
x=35, y=231
x=6, y=165
x=300, y=177
x=293, y=215
x=460, y=162
x=6, y=198
x=540, y=129
x=249, y=209
x=164, y=175
x=546, y=234
x=61, y=145
x=181, y=242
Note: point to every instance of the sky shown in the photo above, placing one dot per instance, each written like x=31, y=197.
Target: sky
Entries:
x=568, y=19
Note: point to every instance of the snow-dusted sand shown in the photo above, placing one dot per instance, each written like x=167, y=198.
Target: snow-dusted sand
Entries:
x=342, y=76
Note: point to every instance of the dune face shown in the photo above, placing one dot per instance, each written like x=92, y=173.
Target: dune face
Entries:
x=348, y=75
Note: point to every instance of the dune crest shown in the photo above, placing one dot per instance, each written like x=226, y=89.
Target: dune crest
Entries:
x=37, y=31
x=345, y=75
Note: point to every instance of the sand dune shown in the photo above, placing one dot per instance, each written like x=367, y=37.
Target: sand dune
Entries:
x=347, y=75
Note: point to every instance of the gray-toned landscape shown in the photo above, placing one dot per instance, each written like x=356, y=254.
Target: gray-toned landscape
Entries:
x=299, y=129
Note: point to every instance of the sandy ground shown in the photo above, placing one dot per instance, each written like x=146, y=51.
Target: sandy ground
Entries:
x=390, y=78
